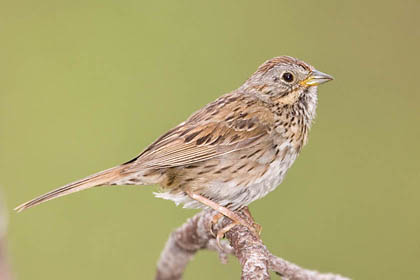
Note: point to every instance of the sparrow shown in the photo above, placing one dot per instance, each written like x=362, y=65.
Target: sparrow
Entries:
x=231, y=152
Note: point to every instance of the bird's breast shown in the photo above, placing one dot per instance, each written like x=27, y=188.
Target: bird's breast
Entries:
x=257, y=187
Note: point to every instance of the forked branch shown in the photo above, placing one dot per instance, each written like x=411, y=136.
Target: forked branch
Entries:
x=255, y=260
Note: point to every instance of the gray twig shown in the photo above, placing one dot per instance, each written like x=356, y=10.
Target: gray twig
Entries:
x=253, y=256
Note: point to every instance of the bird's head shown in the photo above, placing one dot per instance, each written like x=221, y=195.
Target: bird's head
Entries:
x=286, y=80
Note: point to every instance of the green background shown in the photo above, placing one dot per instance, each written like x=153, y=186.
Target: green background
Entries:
x=85, y=85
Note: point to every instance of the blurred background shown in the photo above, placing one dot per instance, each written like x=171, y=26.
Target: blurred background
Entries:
x=86, y=85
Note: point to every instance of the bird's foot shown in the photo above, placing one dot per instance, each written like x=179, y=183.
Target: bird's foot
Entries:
x=223, y=211
x=254, y=227
x=216, y=218
x=257, y=227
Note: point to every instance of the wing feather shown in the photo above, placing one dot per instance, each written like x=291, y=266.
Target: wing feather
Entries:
x=198, y=139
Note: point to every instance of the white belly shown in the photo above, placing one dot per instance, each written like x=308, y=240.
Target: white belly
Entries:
x=267, y=183
x=236, y=195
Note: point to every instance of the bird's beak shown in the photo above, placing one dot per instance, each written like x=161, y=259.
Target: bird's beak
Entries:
x=317, y=78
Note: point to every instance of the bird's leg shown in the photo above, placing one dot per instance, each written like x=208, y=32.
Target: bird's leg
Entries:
x=237, y=220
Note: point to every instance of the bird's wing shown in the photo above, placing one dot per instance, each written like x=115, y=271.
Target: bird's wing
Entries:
x=199, y=140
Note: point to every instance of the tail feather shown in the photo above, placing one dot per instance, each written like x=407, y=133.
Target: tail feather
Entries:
x=105, y=177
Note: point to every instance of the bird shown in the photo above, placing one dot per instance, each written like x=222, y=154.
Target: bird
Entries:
x=229, y=153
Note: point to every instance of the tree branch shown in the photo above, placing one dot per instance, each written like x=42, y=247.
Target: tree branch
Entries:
x=253, y=256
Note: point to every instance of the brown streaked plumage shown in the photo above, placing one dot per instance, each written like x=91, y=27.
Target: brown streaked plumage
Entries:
x=229, y=153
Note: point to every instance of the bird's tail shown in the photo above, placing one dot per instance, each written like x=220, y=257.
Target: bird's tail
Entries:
x=105, y=177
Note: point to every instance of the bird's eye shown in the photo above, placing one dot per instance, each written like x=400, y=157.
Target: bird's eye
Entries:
x=288, y=77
